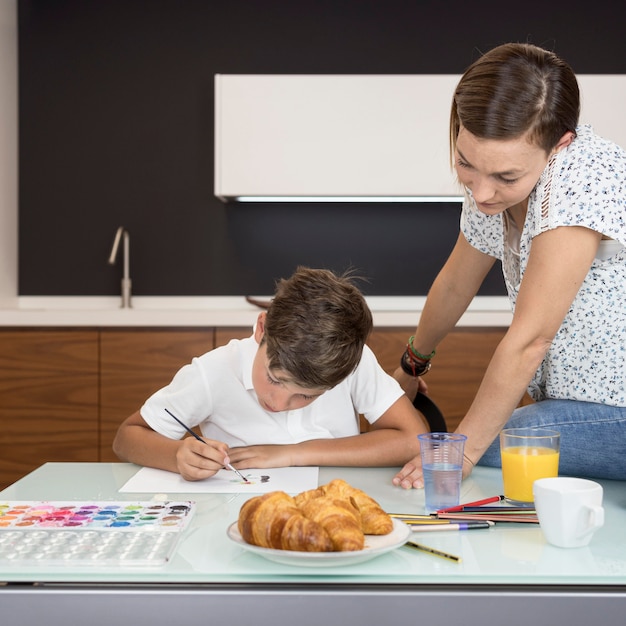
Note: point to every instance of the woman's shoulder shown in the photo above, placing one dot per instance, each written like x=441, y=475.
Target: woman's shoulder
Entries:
x=592, y=155
x=583, y=185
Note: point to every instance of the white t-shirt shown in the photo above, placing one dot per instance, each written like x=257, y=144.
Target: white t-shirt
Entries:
x=215, y=392
x=582, y=185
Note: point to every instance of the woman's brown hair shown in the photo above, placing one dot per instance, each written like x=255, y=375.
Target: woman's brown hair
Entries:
x=513, y=90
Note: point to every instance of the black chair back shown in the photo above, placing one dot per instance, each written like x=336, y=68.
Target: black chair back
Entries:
x=431, y=412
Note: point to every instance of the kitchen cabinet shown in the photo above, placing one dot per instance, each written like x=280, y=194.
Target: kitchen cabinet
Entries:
x=355, y=135
x=333, y=135
x=48, y=399
x=64, y=392
x=224, y=335
x=134, y=363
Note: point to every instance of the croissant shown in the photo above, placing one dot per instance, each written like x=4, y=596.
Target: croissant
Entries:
x=305, y=496
x=274, y=521
x=339, y=518
x=374, y=520
x=333, y=517
x=305, y=535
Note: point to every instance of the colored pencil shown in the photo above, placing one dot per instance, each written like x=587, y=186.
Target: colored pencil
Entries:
x=503, y=512
x=433, y=551
x=495, y=509
x=196, y=436
x=420, y=528
x=460, y=507
x=425, y=522
x=519, y=517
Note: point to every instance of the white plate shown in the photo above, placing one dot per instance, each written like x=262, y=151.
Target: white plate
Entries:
x=375, y=545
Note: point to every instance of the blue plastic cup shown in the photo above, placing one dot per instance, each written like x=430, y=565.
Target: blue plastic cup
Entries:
x=442, y=467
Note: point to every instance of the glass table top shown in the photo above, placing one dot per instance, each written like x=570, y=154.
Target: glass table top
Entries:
x=506, y=554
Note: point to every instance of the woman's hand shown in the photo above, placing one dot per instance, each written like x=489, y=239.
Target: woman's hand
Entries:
x=468, y=466
x=409, y=384
x=410, y=476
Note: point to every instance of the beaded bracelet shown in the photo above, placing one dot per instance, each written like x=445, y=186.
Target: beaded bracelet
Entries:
x=419, y=355
x=411, y=366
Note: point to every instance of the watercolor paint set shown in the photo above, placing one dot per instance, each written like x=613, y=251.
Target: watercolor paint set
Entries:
x=99, y=533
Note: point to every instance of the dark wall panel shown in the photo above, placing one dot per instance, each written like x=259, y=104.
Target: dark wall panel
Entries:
x=116, y=128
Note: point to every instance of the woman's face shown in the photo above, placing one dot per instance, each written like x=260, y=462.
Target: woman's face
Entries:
x=500, y=173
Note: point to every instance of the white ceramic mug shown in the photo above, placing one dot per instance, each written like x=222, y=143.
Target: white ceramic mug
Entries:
x=569, y=510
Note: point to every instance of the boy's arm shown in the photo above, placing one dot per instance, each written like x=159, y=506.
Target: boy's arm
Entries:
x=391, y=441
x=136, y=442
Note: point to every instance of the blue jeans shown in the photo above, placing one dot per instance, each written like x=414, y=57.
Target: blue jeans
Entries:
x=593, y=436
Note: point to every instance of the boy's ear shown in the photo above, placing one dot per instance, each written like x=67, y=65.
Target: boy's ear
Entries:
x=259, y=329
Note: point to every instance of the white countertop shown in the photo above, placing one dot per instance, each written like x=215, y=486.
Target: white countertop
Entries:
x=211, y=311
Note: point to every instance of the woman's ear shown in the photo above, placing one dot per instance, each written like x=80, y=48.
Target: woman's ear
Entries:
x=564, y=141
x=259, y=329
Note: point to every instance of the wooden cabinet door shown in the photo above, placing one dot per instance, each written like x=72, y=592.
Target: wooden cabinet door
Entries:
x=134, y=363
x=63, y=393
x=458, y=367
x=224, y=335
x=48, y=399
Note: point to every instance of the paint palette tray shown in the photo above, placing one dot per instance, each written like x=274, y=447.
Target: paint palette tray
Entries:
x=102, y=534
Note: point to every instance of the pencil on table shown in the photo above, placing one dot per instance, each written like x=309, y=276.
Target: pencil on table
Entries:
x=460, y=507
x=433, y=551
x=446, y=527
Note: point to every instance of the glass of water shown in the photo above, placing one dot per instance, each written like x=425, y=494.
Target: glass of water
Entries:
x=442, y=466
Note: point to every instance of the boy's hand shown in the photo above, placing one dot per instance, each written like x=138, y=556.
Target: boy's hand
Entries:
x=410, y=475
x=197, y=460
x=261, y=456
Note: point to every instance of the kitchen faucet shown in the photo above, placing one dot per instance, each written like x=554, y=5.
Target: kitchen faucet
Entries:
x=126, y=282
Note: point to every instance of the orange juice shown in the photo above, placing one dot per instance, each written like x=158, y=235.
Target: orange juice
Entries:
x=522, y=465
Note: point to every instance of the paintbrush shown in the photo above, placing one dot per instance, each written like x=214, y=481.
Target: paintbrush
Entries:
x=196, y=436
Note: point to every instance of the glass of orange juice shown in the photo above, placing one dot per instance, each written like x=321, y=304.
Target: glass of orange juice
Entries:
x=527, y=454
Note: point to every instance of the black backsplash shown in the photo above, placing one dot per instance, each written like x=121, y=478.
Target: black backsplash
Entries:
x=116, y=128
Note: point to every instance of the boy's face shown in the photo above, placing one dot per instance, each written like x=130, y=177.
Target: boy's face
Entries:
x=275, y=389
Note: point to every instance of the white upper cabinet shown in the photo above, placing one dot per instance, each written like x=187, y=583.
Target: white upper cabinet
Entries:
x=360, y=136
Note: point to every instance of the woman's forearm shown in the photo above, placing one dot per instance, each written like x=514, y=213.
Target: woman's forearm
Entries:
x=451, y=293
x=504, y=383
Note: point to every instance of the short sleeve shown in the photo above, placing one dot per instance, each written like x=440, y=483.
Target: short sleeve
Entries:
x=483, y=232
x=584, y=186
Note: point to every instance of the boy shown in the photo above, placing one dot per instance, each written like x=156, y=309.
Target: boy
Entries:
x=289, y=395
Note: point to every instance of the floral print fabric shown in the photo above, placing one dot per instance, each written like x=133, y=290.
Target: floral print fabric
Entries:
x=582, y=185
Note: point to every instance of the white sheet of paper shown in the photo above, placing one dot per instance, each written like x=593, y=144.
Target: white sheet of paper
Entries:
x=289, y=479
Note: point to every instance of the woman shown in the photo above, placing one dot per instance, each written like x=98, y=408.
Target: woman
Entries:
x=548, y=198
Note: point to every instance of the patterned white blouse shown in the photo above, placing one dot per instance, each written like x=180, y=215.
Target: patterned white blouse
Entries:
x=582, y=185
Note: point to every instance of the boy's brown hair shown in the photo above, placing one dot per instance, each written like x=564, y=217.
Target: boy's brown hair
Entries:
x=316, y=327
